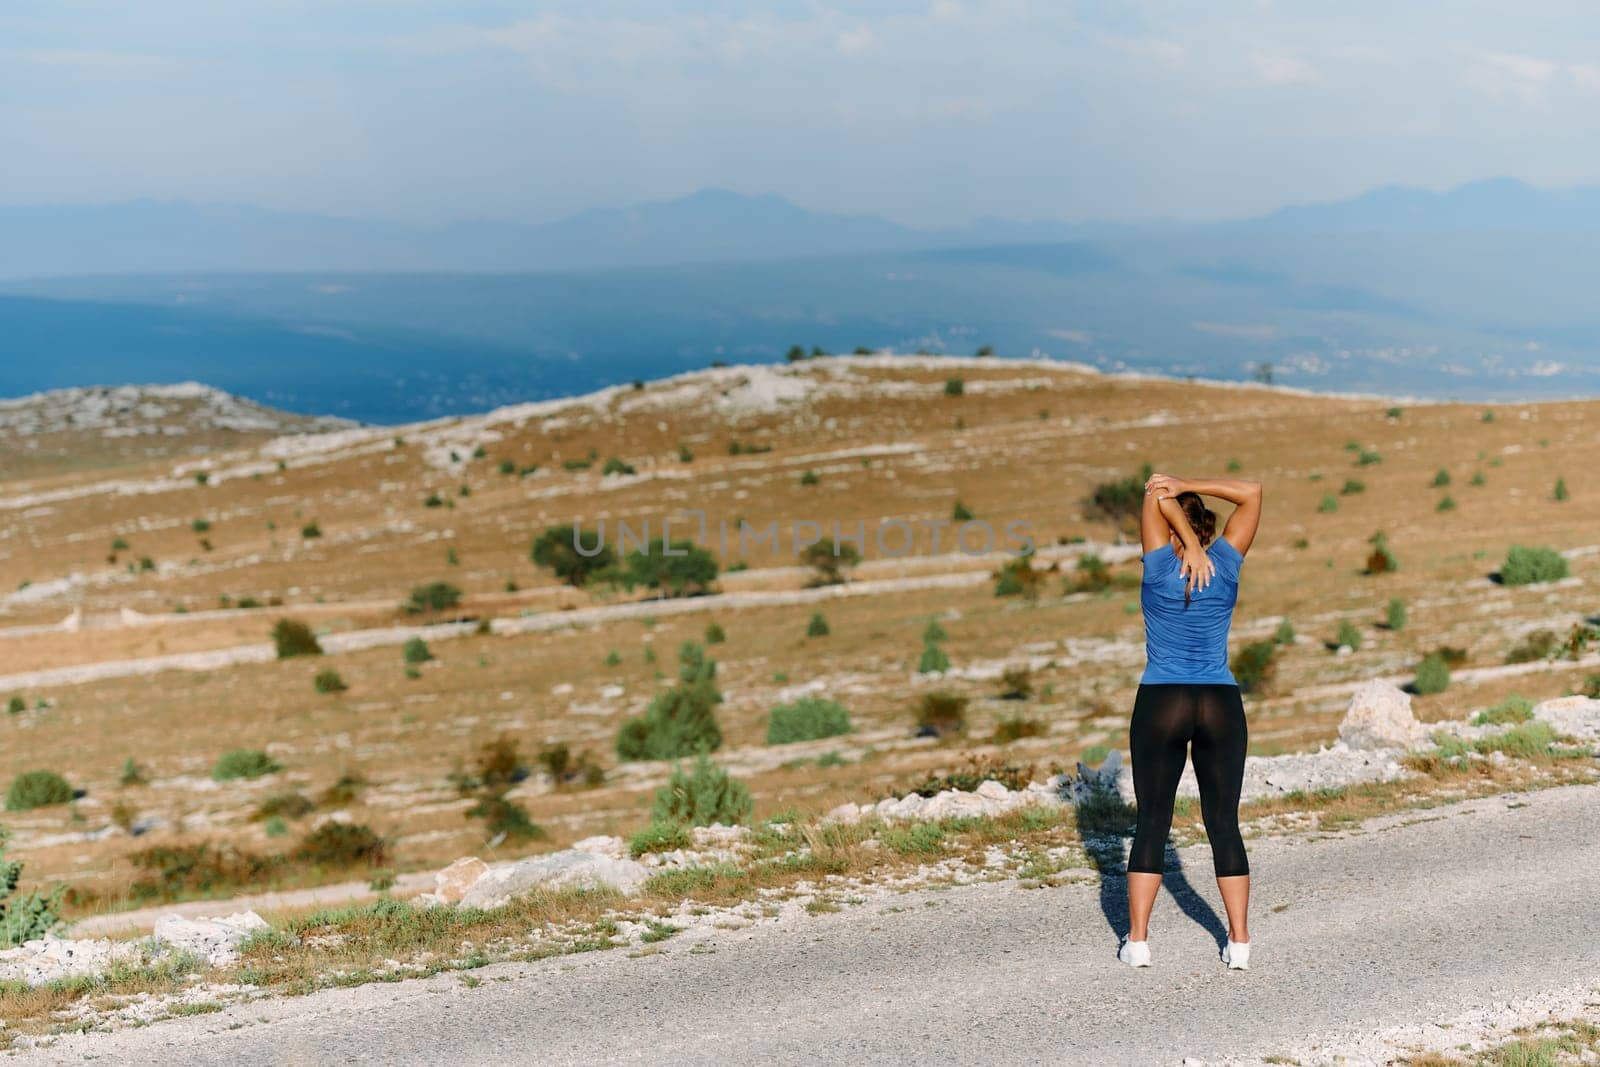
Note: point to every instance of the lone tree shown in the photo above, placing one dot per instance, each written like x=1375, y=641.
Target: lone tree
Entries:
x=291, y=638
x=557, y=549
x=832, y=560
x=680, y=721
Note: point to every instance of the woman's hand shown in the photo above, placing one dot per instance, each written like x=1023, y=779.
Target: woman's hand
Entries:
x=1163, y=485
x=1197, y=569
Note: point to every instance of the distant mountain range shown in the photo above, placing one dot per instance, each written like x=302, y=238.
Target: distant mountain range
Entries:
x=709, y=226
x=1482, y=291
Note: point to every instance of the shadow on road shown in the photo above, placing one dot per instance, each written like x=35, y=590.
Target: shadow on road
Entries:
x=1104, y=822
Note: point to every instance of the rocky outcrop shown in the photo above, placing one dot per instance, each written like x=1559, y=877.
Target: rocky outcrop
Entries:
x=1379, y=717
x=215, y=940
x=569, y=868
x=50, y=959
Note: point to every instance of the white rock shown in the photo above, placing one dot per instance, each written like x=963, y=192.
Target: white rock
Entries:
x=603, y=845
x=217, y=940
x=558, y=870
x=1575, y=716
x=51, y=958
x=993, y=790
x=1380, y=717
x=452, y=883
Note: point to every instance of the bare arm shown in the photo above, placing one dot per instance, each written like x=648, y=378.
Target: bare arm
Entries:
x=1161, y=519
x=1240, y=530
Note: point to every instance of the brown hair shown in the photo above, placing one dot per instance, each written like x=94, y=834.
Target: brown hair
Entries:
x=1202, y=518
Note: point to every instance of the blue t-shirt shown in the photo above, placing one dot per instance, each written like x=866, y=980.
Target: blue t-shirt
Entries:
x=1188, y=644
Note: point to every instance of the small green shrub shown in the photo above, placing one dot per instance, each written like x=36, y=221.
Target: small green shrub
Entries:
x=807, y=719
x=810, y=478
x=818, y=626
x=415, y=651
x=613, y=465
x=1016, y=682
x=310, y=531
x=933, y=631
x=329, y=682
x=435, y=596
x=16, y=705
x=1561, y=493
x=941, y=712
x=28, y=916
x=1433, y=675
x=37, y=789
x=1524, y=566
x=1352, y=486
x=1381, y=560
x=1017, y=577
x=1446, y=503
x=1284, y=635
x=955, y=387
x=1254, y=665
x=1510, y=711
x=659, y=837
x=132, y=774
x=973, y=773
x=933, y=659
x=680, y=721
x=244, y=763
x=1330, y=503
x=701, y=797
x=291, y=638
x=715, y=634
x=1395, y=615
x=960, y=513
x=1540, y=644
x=1441, y=479
x=276, y=826
x=1348, y=634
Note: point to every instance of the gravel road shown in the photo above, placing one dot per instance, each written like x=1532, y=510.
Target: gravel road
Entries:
x=1413, y=918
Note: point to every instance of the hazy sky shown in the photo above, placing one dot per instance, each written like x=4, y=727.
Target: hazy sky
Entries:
x=926, y=111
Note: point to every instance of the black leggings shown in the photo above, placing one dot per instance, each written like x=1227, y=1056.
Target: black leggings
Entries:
x=1167, y=719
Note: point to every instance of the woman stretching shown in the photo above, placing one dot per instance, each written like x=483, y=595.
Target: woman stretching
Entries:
x=1187, y=697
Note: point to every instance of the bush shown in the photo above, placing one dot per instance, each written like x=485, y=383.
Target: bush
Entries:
x=1121, y=501
x=1560, y=493
x=1381, y=560
x=659, y=837
x=341, y=845
x=933, y=631
x=1433, y=675
x=289, y=805
x=832, y=560
x=818, y=626
x=1284, y=635
x=1016, y=577
x=933, y=659
x=557, y=549
x=27, y=917
x=941, y=712
x=680, y=721
x=198, y=870
x=974, y=773
x=415, y=651
x=1524, y=566
x=291, y=638
x=1352, y=486
x=563, y=768
x=16, y=705
x=960, y=513
x=955, y=387
x=1510, y=711
x=1016, y=683
x=807, y=719
x=1441, y=479
x=715, y=634
x=132, y=773
x=1253, y=665
x=435, y=596
x=244, y=763
x=688, y=571
x=1395, y=615
x=705, y=796
x=310, y=531
x=1015, y=727
x=1540, y=644
x=342, y=792
x=1348, y=634
x=328, y=682
x=1329, y=503
x=37, y=789
x=613, y=465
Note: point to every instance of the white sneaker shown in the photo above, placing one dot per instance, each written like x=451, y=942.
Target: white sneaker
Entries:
x=1237, y=955
x=1134, y=953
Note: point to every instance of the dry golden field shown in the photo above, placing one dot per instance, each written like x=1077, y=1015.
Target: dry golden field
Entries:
x=1023, y=442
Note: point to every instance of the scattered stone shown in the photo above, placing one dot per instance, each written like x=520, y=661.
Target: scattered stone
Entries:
x=1380, y=717
x=498, y=886
x=215, y=940
x=1575, y=716
x=49, y=959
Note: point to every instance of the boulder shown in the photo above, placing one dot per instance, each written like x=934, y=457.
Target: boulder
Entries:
x=1380, y=717
x=1575, y=716
x=568, y=868
x=452, y=883
x=216, y=940
x=50, y=959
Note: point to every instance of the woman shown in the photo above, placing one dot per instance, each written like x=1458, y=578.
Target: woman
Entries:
x=1188, y=696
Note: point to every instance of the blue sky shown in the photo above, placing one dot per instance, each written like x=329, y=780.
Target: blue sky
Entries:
x=932, y=111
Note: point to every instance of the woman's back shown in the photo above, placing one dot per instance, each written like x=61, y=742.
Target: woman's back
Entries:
x=1188, y=643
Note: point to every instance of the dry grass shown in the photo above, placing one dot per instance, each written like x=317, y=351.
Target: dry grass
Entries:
x=406, y=735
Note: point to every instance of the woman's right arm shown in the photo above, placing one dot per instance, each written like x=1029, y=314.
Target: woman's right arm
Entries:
x=1240, y=529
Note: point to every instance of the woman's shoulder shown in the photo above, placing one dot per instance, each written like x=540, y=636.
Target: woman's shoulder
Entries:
x=1167, y=548
x=1225, y=548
